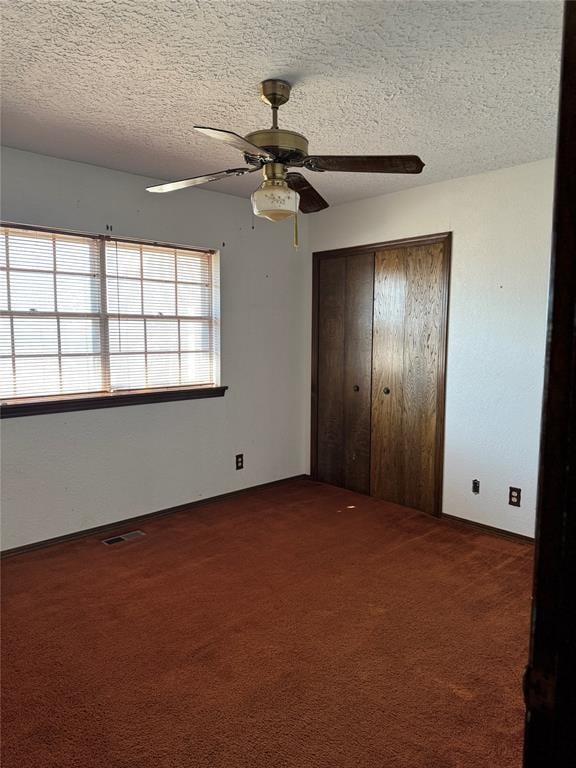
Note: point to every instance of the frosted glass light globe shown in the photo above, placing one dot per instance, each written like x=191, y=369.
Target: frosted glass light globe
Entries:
x=275, y=201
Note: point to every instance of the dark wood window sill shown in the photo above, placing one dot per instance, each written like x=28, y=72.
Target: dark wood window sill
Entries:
x=88, y=402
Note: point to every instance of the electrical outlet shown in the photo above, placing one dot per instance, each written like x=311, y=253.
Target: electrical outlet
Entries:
x=475, y=486
x=514, y=495
x=239, y=461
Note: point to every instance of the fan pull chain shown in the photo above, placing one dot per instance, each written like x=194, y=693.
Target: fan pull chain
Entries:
x=296, y=241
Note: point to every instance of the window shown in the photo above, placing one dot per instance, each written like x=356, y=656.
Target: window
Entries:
x=92, y=315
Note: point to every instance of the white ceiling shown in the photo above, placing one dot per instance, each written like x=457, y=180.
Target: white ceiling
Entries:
x=469, y=86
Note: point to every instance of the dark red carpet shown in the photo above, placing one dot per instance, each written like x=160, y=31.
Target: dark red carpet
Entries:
x=295, y=626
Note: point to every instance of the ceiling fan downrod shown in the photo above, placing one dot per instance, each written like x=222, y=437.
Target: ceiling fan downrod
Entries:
x=275, y=93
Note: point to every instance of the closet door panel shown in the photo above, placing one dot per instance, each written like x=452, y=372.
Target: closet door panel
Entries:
x=331, y=357
x=410, y=300
x=422, y=344
x=387, y=451
x=358, y=370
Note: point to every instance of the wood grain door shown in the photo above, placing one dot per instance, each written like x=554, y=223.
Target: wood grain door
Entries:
x=409, y=333
x=345, y=286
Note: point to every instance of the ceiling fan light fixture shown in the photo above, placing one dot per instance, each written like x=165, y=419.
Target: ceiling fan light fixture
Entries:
x=274, y=199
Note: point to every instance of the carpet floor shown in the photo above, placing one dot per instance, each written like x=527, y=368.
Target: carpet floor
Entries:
x=292, y=626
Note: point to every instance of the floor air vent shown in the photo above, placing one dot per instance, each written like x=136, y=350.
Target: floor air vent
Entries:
x=123, y=537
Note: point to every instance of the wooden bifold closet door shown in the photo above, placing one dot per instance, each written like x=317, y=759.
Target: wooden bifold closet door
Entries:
x=380, y=321
x=345, y=306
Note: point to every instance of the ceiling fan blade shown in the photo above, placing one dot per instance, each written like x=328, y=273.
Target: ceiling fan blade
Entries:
x=236, y=141
x=365, y=164
x=311, y=201
x=172, y=186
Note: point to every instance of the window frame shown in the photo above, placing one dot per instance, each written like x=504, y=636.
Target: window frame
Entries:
x=39, y=404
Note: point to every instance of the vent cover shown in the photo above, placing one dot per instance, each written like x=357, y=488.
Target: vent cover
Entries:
x=123, y=537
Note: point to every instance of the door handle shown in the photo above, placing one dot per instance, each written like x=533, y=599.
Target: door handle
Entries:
x=356, y=388
x=386, y=390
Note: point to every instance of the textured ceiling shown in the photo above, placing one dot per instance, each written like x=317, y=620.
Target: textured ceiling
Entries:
x=469, y=86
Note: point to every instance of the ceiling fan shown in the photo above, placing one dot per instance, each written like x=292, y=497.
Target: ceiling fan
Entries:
x=274, y=151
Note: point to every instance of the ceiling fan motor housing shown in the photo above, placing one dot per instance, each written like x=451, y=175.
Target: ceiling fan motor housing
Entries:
x=286, y=146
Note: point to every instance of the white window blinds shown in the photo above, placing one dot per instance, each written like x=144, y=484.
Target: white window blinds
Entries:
x=83, y=314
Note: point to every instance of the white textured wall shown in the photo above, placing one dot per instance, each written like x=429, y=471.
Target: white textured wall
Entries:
x=498, y=298
x=70, y=471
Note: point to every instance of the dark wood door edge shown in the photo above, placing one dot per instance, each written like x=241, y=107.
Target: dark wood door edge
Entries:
x=488, y=529
x=550, y=681
x=314, y=381
x=101, y=530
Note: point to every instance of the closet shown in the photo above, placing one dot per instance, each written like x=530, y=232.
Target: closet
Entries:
x=379, y=351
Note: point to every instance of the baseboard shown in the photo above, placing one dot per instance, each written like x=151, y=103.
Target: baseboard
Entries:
x=489, y=529
x=132, y=521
